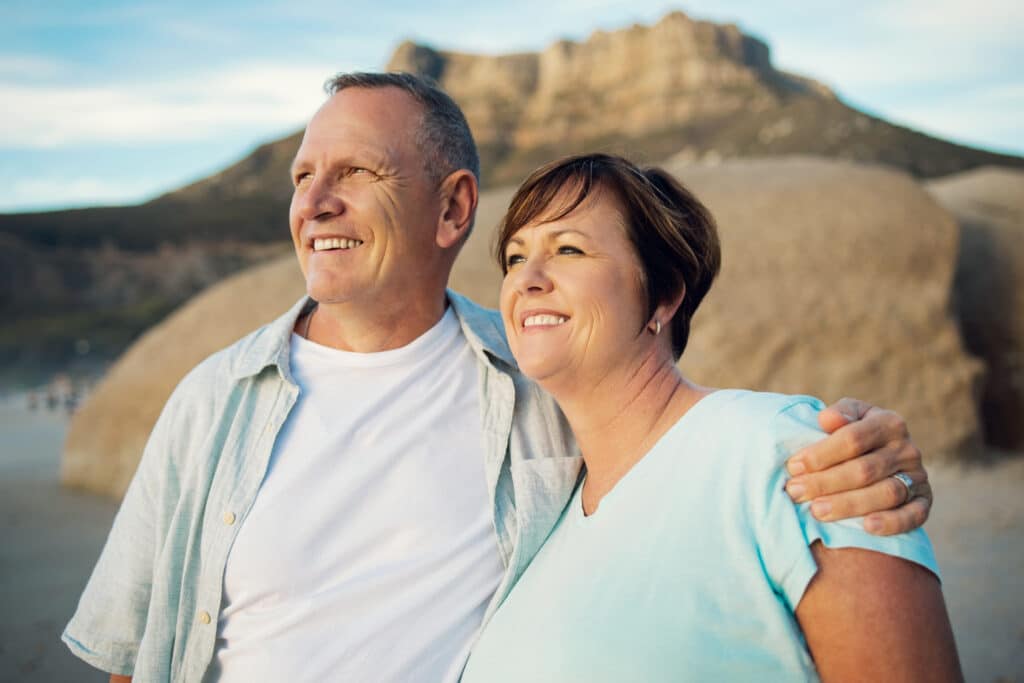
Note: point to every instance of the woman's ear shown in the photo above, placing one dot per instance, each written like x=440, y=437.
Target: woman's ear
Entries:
x=665, y=311
x=459, y=196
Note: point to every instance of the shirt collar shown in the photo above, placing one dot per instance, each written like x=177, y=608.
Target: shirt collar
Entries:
x=270, y=344
x=483, y=329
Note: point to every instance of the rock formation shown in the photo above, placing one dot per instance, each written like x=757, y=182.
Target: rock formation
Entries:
x=836, y=281
x=697, y=88
x=989, y=289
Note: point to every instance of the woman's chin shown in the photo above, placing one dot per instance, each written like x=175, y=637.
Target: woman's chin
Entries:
x=542, y=371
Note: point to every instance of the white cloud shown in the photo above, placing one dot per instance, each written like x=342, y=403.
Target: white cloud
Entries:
x=29, y=67
x=953, y=19
x=30, y=194
x=193, y=107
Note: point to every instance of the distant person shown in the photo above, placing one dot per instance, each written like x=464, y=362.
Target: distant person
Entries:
x=679, y=557
x=348, y=492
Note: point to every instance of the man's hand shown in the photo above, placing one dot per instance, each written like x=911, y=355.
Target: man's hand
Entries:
x=843, y=485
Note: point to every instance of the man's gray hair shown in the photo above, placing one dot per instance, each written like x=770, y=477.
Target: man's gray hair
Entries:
x=444, y=136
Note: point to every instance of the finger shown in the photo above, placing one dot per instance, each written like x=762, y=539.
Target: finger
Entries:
x=905, y=518
x=875, y=430
x=909, y=459
x=846, y=476
x=851, y=408
x=923, y=488
x=883, y=495
x=831, y=419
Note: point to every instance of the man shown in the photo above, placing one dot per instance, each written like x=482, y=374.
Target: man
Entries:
x=348, y=492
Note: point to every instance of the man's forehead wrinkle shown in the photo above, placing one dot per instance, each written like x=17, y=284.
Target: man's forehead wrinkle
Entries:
x=343, y=149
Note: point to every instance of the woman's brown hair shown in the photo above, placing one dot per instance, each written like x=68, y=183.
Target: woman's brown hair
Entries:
x=673, y=233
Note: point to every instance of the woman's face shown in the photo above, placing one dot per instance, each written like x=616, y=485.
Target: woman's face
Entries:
x=572, y=300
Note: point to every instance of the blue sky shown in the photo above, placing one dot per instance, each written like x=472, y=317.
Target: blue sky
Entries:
x=112, y=102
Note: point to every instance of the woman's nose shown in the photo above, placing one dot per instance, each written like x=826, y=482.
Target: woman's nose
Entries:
x=532, y=277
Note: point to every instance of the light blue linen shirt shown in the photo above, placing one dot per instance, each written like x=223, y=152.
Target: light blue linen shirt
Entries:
x=150, y=607
x=690, y=570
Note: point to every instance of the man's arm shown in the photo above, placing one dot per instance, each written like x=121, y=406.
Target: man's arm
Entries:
x=849, y=473
x=868, y=616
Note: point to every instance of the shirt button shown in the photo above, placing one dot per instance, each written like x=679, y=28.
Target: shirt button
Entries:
x=229, y=518
x=204, y=617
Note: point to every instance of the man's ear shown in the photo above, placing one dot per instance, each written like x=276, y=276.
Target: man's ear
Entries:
x=459, y=196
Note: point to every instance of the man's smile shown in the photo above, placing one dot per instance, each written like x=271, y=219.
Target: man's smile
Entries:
x=331, y=243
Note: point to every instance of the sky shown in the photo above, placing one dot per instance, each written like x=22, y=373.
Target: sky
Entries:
x=112, y=102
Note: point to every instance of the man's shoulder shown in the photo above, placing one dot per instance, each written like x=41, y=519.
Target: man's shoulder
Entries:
x=243, y=358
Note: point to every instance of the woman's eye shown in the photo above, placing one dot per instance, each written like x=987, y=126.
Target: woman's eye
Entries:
x=566, y=249
x=513, y=259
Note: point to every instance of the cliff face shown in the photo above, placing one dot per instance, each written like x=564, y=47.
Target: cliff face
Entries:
x=622, y=83
x=679, y=87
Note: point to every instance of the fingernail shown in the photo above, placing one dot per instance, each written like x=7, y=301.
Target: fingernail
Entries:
x=872, y=525
x=850, y=417
x=796, y=490
x=796, y=467
x=821, y=508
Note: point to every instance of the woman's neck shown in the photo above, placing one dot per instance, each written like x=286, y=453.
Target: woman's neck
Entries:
x=618, y=419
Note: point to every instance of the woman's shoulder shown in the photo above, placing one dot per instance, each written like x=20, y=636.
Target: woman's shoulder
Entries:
x=761, y=413
x=753, y=432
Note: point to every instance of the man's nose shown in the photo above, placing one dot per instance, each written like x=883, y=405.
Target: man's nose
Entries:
x=320, y=200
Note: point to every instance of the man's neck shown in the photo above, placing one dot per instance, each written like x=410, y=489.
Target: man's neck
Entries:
x=352, y=328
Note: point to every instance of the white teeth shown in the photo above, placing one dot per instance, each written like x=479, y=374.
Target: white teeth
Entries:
x=326, y=243
x=545, y=319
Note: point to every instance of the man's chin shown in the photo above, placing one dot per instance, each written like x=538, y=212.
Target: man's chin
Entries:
x=329, y=290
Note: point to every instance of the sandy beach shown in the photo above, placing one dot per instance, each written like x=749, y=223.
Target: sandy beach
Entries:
x=52, y=536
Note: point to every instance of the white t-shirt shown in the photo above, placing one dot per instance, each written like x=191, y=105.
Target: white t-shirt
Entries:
x=369, y=553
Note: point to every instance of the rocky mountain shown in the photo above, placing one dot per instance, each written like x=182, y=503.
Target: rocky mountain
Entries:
x=680, y=89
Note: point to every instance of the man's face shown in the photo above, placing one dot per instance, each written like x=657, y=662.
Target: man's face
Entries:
x=364, y=213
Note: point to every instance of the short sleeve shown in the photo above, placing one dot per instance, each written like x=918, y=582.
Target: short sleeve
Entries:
x=786, y=531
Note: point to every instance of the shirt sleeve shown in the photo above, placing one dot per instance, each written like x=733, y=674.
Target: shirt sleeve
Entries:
x=110, y=620
x=787, y=531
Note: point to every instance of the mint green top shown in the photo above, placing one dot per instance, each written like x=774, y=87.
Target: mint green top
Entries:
x=690, y=569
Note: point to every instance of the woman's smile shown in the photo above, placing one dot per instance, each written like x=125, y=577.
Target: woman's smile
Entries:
x=572, y=297
x=541, y=320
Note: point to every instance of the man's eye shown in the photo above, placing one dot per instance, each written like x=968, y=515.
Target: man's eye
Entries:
x=301, y=178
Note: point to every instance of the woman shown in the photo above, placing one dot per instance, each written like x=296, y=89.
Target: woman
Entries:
x=605, y=265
